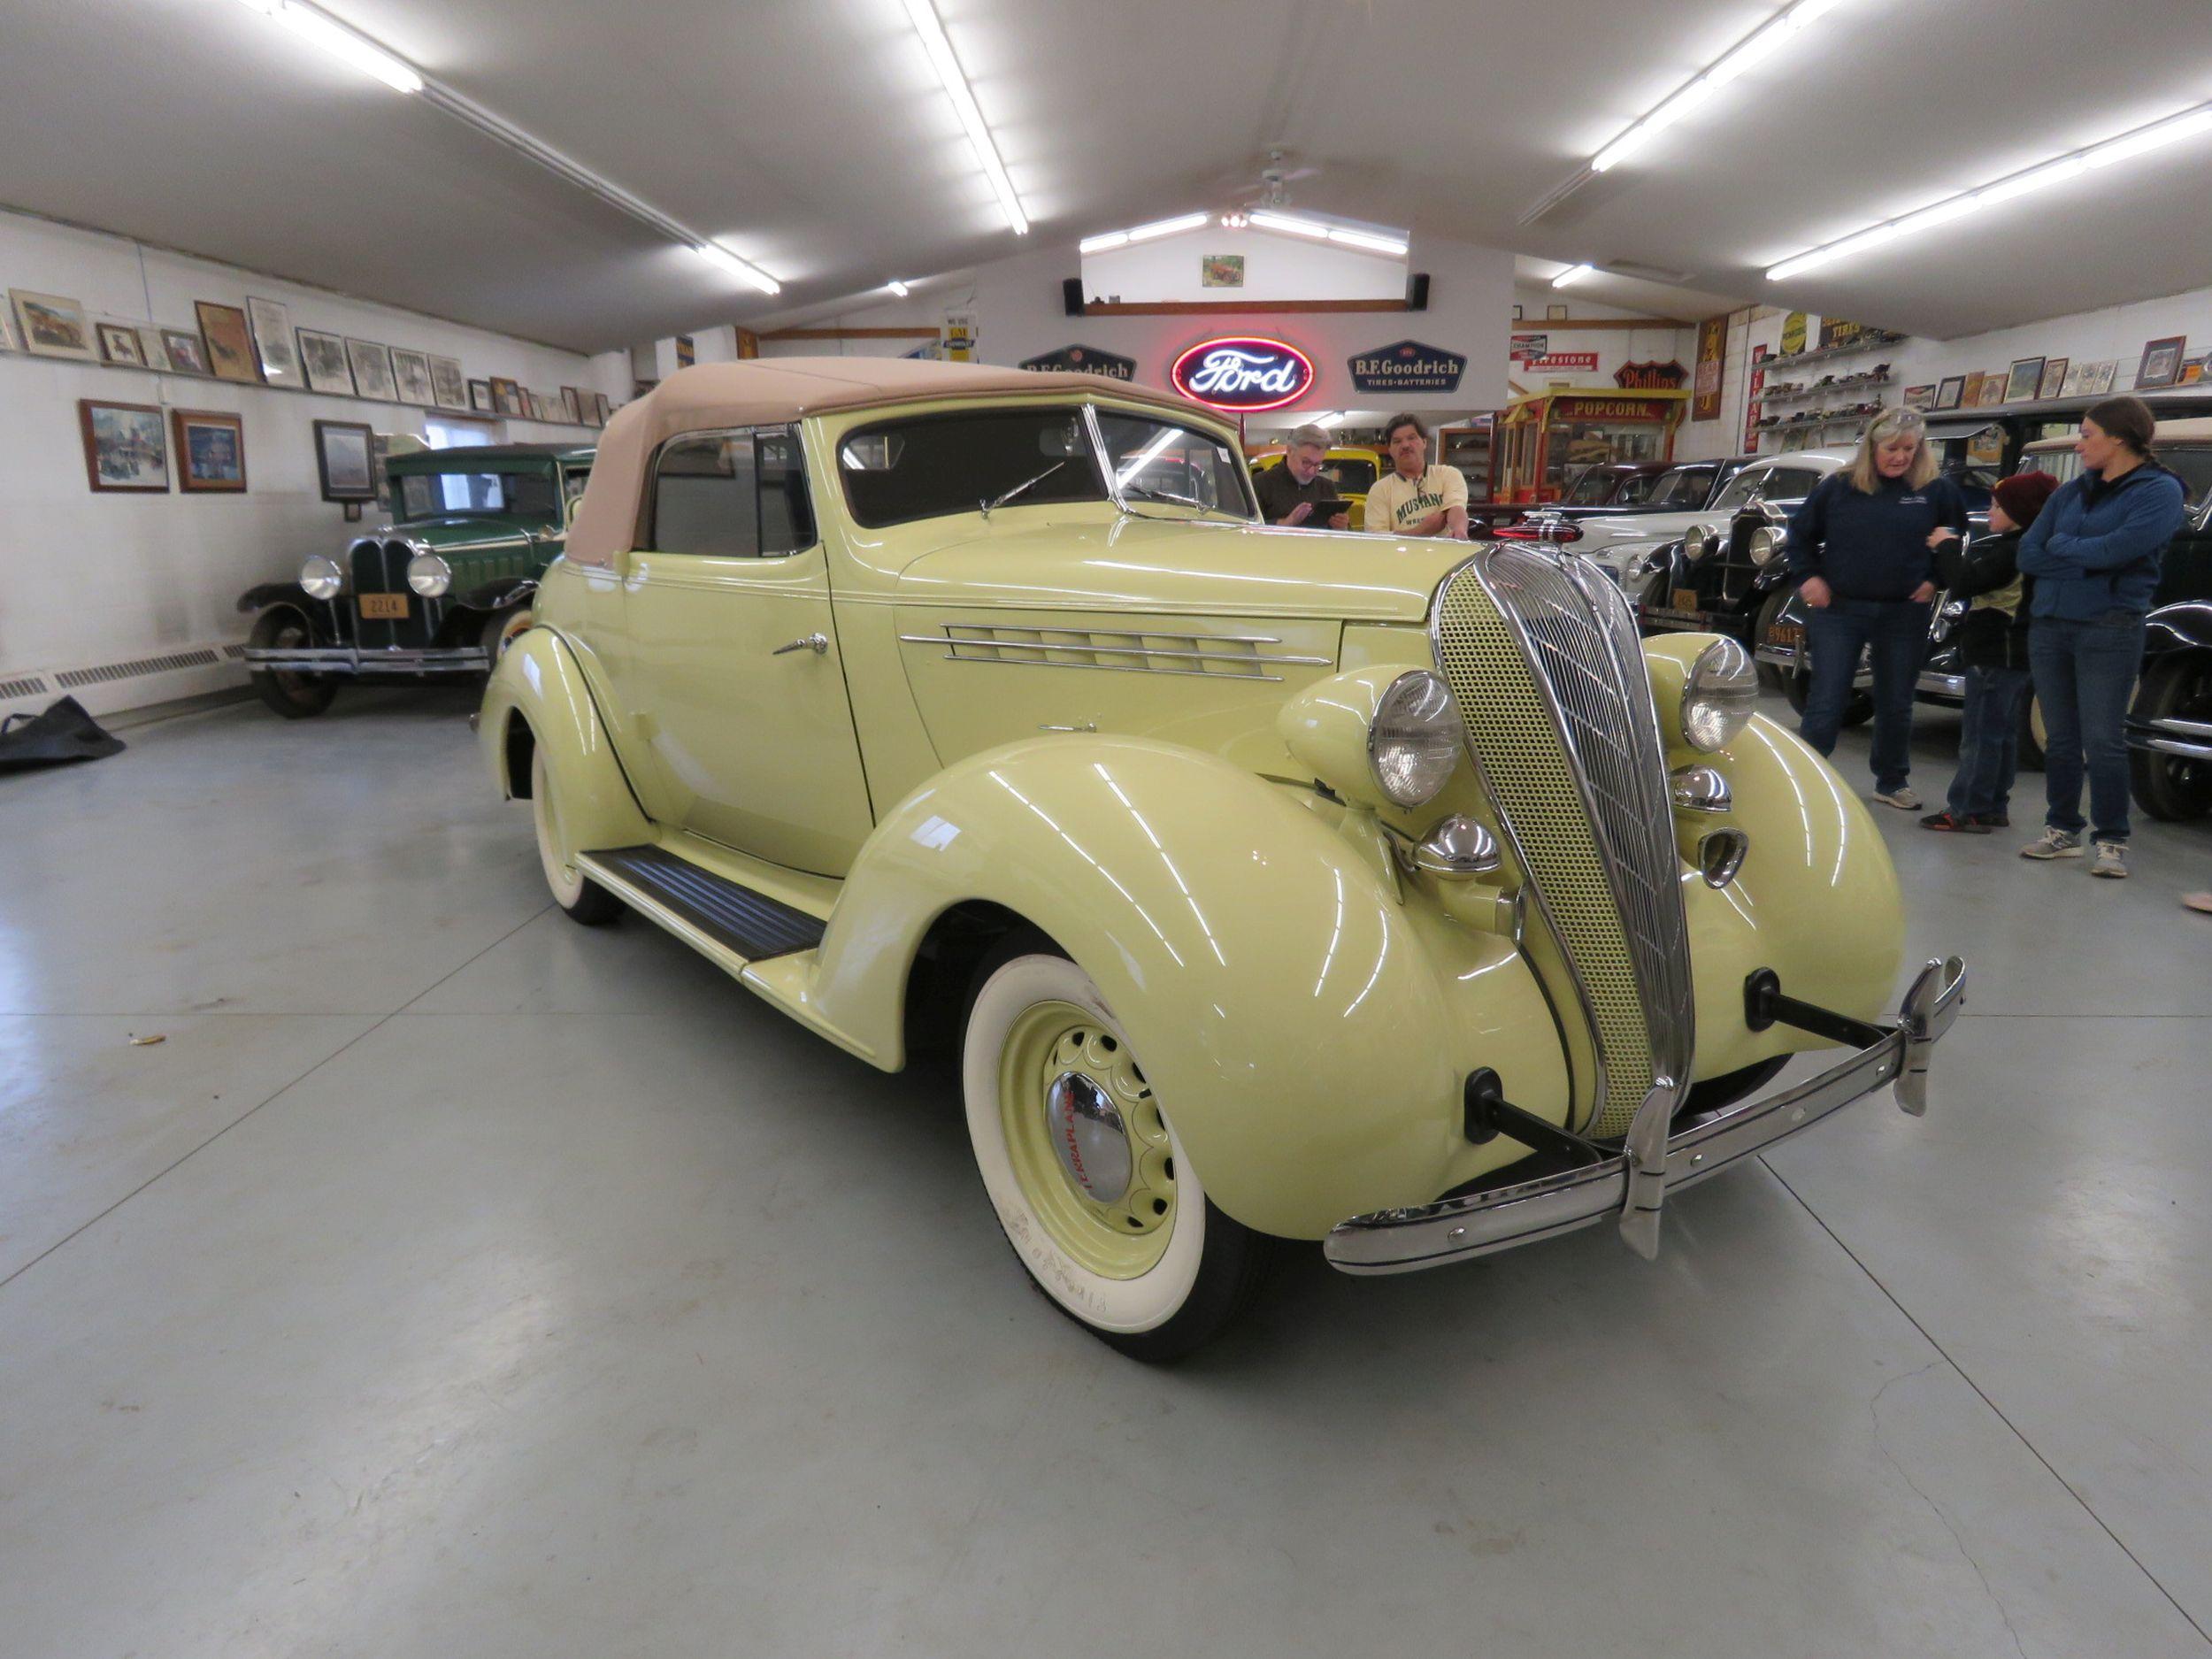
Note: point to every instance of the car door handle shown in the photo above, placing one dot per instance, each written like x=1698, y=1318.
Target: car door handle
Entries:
x=816, y=642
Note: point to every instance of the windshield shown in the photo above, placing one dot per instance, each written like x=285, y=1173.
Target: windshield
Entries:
x=1593, y=488
x=524, y=494
x=1685, y=487
x=1351, y=476
x=928, y=466
x=1740, y=487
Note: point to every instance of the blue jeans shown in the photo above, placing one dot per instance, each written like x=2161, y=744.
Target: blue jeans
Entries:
x=1837, y=633
x=2085, y=677
x=1989, y=742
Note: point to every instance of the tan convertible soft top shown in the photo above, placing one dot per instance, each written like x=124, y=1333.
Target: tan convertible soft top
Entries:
x=772, y=391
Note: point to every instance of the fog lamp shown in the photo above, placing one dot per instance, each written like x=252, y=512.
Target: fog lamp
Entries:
x=1456, y=850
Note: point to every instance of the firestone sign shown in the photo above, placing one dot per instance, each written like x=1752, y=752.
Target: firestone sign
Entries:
x=1408, y=365
x=1085, y=360
x=1242, y=373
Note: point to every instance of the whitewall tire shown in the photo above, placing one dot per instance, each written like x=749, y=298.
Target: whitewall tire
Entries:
x=578, y=897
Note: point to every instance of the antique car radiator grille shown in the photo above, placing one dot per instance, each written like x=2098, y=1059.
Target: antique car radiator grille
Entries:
x=379, y=567
x=1541, y=654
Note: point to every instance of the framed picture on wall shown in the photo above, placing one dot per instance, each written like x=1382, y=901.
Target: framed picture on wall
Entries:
x=449, y=385
x=345, y=460
x=1920, y=396
x=119, y=344
x=7, y=334
x=125, y=447
x=186, y=351
x=2077, y=380
x=53, y=327
x=1972, y=395
x=1952, y=393
x=230, y=347
x=211, y=450
x=2162, y=361
x=271, y=322
x=371, y=370
x=1993, y=389
x=411, y=371
x=2025, y=377
x=1557, y=313
x=481, y=397
x=571, y=406
x=605, y=410
x=587, y=411
x=507, y=396
x=322, y=358
x=2054, y=377
x=2101, y=375
x=151, y=348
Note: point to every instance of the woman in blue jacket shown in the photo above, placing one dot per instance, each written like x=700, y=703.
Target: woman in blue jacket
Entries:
x=2094, y=552
x=1860, y=548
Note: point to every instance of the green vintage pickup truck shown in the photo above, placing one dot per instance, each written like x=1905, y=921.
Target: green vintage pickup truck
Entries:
x=437, y=592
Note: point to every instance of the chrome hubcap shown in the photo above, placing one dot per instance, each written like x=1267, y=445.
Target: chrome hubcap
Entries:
x=1086, y=1131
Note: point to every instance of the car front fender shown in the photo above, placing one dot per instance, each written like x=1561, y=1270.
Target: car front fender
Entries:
x=537, y=696
x=267, y=593
x=1307, y=1025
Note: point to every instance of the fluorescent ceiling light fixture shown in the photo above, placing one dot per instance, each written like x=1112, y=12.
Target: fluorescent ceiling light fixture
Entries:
x=744, y=270
x=923, y=14
x=1571, y=275
x=2189, y=124
x=1169, y=226
x=898, y=288
x=1761, y=43
x=341, y=43
x=1261, y=219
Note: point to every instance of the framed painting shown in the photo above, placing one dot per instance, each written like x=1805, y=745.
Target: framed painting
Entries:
x=371, y=370
x=2023, y=379
x=53, y=327
x=125, y=447
x=1952, y=393
x=2076, y=380
x=151, y=348
x=481, y=397
x=1972, y=395
x=7, y=333
x=1221, y=271
x=280, y=359
x=230, y=354
x=411, y=371
x=186, y=350
x=211, y=450
x=447, y=384
x=323, y=359
x=1920, y=396
x=2192, y=372
x=571, y=406
x=345, y=460
x=2054, y=377
x=605, y=409
x=2162, y=361
x=1993, y=390
x=507, y=396
x=119, y=344
x=2101, y=375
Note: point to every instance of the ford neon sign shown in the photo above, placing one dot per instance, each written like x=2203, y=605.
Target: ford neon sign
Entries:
x=1242, y=373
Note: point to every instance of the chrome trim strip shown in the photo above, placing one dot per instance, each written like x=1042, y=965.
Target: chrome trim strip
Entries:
x=1481, y=1224
x=1930, y=683
x=1112, y=651
x=2171, y=746
x=330, y=659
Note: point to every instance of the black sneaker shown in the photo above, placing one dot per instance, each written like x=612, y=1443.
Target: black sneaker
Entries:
x=1993, y=820
x=1957, y=825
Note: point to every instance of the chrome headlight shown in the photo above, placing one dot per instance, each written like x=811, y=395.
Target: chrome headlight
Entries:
x=322, y=578
x=1698, y=539
x=429, y=575
x=1717, y=699
x=1414, y=742
x=1766, y=543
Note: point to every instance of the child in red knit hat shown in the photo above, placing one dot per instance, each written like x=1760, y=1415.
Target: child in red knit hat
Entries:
x=1993, y=639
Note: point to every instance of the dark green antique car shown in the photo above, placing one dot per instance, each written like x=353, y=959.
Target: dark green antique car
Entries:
x=439, y=591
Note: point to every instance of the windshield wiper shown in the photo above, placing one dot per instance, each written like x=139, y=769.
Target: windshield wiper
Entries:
x=986, y=507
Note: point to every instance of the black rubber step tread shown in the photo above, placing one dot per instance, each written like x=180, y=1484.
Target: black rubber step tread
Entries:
x=753, y=924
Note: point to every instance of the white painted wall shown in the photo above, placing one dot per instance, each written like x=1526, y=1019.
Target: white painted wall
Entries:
x=1276, y=267
x=89, y=580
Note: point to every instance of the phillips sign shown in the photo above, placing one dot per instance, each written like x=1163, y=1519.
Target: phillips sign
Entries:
x=1242, y=373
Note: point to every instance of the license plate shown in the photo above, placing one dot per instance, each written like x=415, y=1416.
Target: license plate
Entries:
x=385, y=607
x=1685, y=599
x=1786, y=635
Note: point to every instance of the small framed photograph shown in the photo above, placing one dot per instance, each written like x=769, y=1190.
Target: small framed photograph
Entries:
x=481, y=397
x=151, y=348
x=2021, y=381
x=2192, y=372
x=125, y=447
x=1920, y=396
x=1221, y=270
x=186, y=351
x=2054, y=377
x=411, y=371
x=211, y=450
x=605, y=409
x=1972, y=396
x=2101, y=376
x=271, y=321
x=507, y=396
x=345, y=460
x=229, y=346
x=323, y=357
x=371, y=370
x=53, y=327
x=447, y=384
x=2077, y=380
x=7, y=334
x=2162, y=363
x=119, y=344
x=1952, y=393
x=1555, y=313
x=1993, y=390
x=1516, y=313
x=571, y=406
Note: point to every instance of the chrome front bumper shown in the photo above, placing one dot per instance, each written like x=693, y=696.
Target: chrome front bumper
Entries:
x=1632, y=1185
x=1929, y=684
x=346, y=659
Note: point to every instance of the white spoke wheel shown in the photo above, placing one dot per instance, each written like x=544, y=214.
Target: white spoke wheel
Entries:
x=1083, y=1167
x=580, y=899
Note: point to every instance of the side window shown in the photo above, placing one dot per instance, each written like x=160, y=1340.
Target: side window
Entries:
x=732, y=495
x=1790, y=483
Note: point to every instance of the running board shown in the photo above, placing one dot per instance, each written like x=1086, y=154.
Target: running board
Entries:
x=747, y=924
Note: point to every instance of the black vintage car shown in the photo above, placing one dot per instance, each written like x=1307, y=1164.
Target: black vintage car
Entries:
x=437, y=592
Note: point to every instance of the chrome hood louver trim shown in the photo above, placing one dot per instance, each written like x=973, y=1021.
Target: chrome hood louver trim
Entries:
x=1541, y=652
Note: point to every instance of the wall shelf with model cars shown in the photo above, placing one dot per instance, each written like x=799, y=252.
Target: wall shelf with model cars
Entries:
x=1874, y=340
x=1788, y=393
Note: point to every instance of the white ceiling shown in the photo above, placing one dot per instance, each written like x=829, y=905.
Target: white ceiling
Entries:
x=815, y=141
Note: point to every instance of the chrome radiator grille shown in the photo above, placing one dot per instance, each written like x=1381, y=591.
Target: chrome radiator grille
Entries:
x=1542, y=653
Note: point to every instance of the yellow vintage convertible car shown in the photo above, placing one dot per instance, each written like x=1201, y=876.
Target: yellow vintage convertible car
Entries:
x=1297, y=886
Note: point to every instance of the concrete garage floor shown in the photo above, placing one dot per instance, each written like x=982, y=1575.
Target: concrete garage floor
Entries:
x=454, y=1280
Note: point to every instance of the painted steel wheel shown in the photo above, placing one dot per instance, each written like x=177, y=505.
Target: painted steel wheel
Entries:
x=502, y=630
x=1090, y=1184
x=2174, y=787
x=296, y=697
x=580, y=898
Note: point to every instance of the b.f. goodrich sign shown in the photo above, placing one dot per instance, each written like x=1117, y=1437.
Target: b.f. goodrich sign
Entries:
x=1085, y=360
x=1407, y=366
